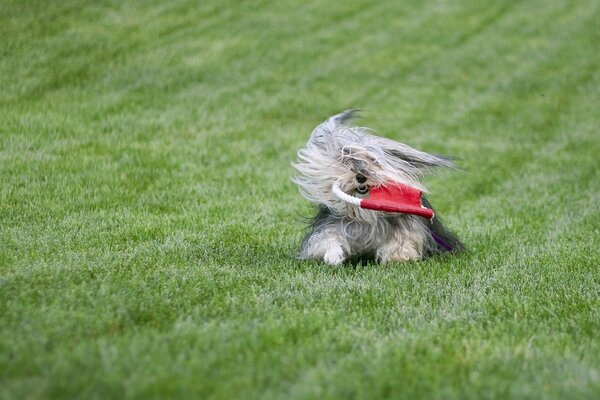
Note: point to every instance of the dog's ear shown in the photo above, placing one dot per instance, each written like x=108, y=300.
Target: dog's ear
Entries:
x=424, y=160
x=416, y=158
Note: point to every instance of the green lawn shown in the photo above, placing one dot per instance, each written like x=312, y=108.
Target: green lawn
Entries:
x=149, y=225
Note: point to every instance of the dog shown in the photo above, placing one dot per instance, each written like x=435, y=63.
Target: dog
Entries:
x=355, y=161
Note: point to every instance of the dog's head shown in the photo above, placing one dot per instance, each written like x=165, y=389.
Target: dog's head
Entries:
x=356, y=160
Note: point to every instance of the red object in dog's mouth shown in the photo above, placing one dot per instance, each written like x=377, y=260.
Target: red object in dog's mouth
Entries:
x=393, y=197
x=396, y=197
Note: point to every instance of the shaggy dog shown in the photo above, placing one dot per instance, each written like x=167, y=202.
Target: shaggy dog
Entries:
x=351, y=161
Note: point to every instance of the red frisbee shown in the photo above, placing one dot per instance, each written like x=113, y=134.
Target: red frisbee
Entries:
x=393, y=197
x=397, y=197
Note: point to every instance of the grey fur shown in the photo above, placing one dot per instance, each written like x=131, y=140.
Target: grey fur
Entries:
x=339, y=152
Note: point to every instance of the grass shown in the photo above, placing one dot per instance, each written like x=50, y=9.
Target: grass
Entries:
x=148, y=223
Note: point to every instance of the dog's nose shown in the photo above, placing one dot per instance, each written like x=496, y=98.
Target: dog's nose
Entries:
x=360, y=178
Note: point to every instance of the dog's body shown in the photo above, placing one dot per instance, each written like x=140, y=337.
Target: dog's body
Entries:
x=356, y=161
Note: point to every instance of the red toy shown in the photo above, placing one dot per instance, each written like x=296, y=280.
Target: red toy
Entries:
x=393, y=197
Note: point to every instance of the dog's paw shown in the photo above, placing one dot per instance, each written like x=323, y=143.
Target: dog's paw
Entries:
x=334, y=256
x=399, y=252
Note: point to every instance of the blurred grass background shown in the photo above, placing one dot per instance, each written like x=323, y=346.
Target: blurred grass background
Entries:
x=149, y=226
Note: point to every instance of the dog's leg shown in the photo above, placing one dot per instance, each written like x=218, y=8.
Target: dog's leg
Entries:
x=326, y=245
x=334, y=255
x=402, y=245
x=403, y=251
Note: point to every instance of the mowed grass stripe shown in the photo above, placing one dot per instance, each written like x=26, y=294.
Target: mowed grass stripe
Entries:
x=537, y=193
x=514, y=142
x=97, y=48
x=485, y=68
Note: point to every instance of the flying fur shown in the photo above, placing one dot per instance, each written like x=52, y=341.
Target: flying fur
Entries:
x=357, y=160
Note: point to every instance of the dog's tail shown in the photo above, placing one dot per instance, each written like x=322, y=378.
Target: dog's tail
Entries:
x=441, y=239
